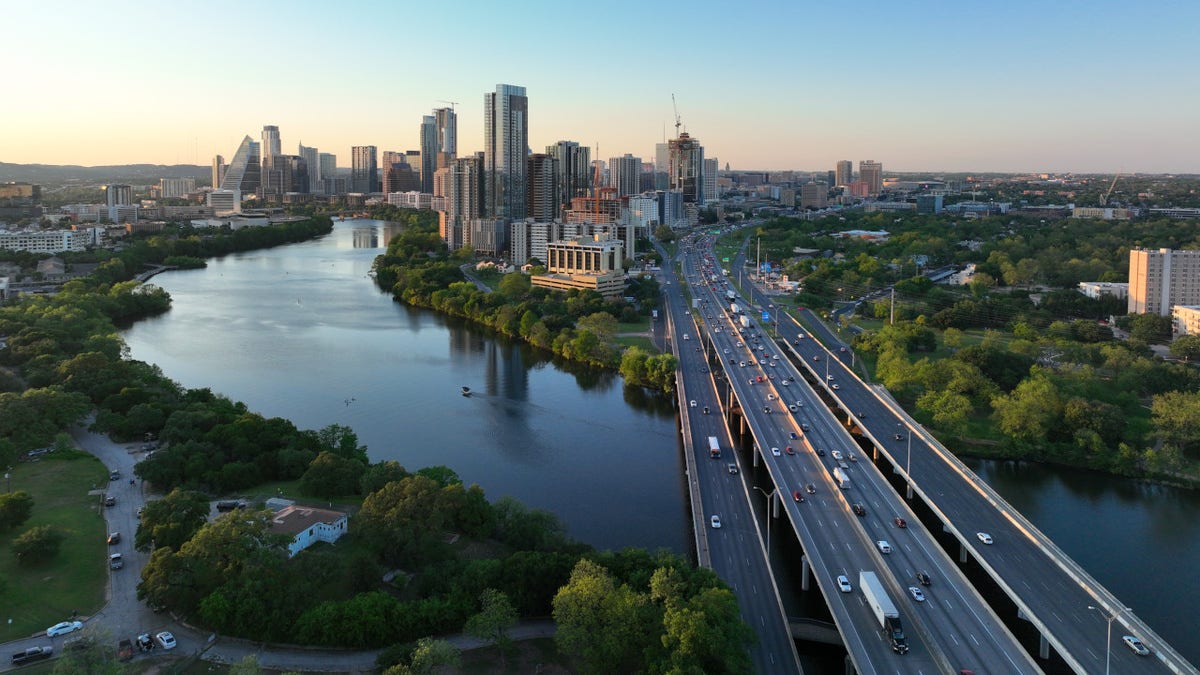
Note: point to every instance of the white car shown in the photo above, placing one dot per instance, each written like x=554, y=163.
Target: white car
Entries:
x=916, y=594
x=984, y=537
x=883, y=546
x=775, y=451
x=844, y=584
x=693, y=403
x=1135, y=645
x=770, y=397
x=715, y=521
x=829, y=378
x=165, y=640
x=835, y=387
x=63, y=628
x=836, y=454
x=686, y=336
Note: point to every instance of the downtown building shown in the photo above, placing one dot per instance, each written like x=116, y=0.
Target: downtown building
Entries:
x=686, y=158
x=464, y=201
x=625, y=174
x=574, y=170
x=843, y=172
x=871, y=173
x=505, y=152
x=584, y=263
x=364, y=169
x=243, y=175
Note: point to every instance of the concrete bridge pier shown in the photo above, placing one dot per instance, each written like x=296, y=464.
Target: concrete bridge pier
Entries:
x=1043, y=643
x=849, y=666
x=805, y=573
x=962, y=553
x=754, y=454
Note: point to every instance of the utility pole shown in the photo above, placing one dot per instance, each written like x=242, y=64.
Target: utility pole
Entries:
x=892, y=321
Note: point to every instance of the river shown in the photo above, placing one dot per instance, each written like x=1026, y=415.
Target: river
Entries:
x=302, y=332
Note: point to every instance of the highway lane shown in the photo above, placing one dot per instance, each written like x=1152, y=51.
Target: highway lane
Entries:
x=1056, y=597
x=734, y=550
x=970, y=643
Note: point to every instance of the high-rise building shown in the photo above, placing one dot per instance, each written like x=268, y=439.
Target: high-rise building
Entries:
x=1160, y=280
x=573, y=164
x=464, y=200
x=871, y=173
x=543, y=189
x=283, y=174
x=814, y=195
x=625, y=174
x=831, y=177
x=843, y=172
x=118, y=195
x=218, y=171
x=505, y=149
x=687, y=167
x=399, y=176
x=312, y=158
x=270, y=141
x=446, y=121
x=328, y=172
x=244, y=172
x=364, y=169
x=429, y=150
x=710, y=179
x=662, y=166
x=173, y=188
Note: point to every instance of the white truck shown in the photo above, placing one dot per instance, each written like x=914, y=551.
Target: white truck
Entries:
x=842, y=479
x=885, y=612
x=730, y=295
x=744, y=320
x=714, y=448
x=733, y=308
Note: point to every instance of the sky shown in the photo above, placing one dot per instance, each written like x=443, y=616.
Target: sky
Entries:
x=1020, y=85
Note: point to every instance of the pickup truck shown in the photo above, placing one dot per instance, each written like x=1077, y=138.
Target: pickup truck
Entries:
x=32, y=654
x=125, y=649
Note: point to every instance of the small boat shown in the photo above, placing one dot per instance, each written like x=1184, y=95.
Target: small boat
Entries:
x=466, y=391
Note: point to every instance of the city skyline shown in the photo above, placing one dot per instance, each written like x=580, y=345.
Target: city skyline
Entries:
x=921, y=87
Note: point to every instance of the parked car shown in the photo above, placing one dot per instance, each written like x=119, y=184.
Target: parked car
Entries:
x=32, y=654
x=231, y=504
x=144, y=642
x=165, y=640
x=114, y=538
x=63, y=627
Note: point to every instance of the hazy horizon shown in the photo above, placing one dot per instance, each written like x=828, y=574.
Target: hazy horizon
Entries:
x=1019, y=87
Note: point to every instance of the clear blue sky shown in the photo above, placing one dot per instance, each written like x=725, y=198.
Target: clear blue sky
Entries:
x=1019, y=85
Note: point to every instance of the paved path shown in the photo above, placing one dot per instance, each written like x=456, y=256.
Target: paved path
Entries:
x=123, y=616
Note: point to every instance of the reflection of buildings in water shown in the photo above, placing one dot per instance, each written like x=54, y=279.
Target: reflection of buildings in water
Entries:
x=366, y=237
x=505, y=372
x=462, y=343
x=389, y=230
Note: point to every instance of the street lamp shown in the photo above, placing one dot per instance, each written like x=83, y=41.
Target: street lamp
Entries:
x=769, y=496
x=1108, y=636
x=8, y=479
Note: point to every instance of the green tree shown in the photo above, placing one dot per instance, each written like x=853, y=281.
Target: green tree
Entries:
x=1150, y=328
x=429, y=656
x=15, y=509
x=605, y=625
x=706, y=634
x=496, y=616
x=950, y=411
x=514, y=285
x=1186, y=347
x=1030, y=412
x=37, y=544
x=172, y=520
x=664, y=233
x=1176, y=417
x=331, y=475
x=379, y=474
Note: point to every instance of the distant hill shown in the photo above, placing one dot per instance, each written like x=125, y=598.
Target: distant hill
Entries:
x=139, y=174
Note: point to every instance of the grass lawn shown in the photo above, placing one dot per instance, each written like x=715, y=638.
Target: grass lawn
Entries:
x=636, y=327
x=637, y=341
x=34, y=597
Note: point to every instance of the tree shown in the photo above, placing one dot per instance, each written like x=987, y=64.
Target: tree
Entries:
x=514, y=285
x=331, y=475
x=1150, y=328
x=428, y=656
x=1186, y=347
x=706, y=634
x=172, y=520
x=1031, y=410
x=950, y=411
x=1176, y=416
x=37, y=544
x=495, y=617
x=15, y=509
x=608, y=627
x=664, y=233
x=379, y=474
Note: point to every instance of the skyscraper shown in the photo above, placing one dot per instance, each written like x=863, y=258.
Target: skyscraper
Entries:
x=871, y=173
x=710, y=179
x=429, y=150
x=464, y=200
x=447, y=131
x=364, y=169
x=312, y=159
x=270, y=141
x=625, y=174
x=662, y=166
x=244, y=173
x=505, y=151
x=543, y=189
x=328, y=172
x=218, y=171
x=843, y=172
x=574, y=170
x=687, y=167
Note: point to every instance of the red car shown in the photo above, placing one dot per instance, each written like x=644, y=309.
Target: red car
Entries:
x=900, y=522
x=789, y=450
x=796, y=496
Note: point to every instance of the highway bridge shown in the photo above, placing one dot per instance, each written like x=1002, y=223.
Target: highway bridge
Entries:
x=953, y=628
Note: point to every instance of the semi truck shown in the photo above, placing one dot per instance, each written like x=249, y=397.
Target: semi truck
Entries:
x=744, y=320
x=730, y=295
x=714, y=448
x=842, y=479
x=733, y=308
x=885, y=612
x=695, y=303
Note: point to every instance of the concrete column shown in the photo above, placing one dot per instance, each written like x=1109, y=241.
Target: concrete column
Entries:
x=754, y=454
x=805, y=575
x=849, y=670
x=908, y=491
x=962, y=553
x=1043, y=647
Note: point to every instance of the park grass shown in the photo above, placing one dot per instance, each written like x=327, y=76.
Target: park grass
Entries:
x=34, y=597
x=640, y=326
x=637, y=341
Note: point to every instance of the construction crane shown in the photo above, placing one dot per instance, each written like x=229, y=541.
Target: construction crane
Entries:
x=677, y=122
x=1104, y=202
x=452, y=104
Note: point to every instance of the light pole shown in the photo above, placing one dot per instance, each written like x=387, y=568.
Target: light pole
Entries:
x=1108, y=636
x=8, y=479
x=769, y=496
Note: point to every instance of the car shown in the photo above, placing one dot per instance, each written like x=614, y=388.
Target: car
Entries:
x=900, y=522
x=844, y=584
x=810, y=489
x=898, y=436
x=114, y=475
x=699, y=349
x=32, y=654
x=916, y=594
x=165, y=640
x=800, y=336
x=705, y=410
x=109, y=500
x=852, y=457
x=751, y=380
x=792, y=435
x=731, y=468
x=775, y=451
x=144, y=642
x=726, y=350
x=141, y=510
x=791, y=408
x=704, y=370
x=758, y=378
x=770, y=397
x=692, y=403
x=741, y=364
x=230, y=505
x=766, y=410
x=63, y=627
x=795, y=342
x=984, y=537
x=861, y=415
x=1135, y=645
x=816, y=357
x=842, y=350
x=835, y=386
x=836, y=454
x=715, y=521
x=740, y=343
x=115, y=562
x=858, y=509
x=789, y=450
x=114, y=538
x=883, y=546
x=770, y=376
x=784, y=382
x=820, y=452
x=686, y=336
x=923, y=577
x=829, y=378
x=804, y=427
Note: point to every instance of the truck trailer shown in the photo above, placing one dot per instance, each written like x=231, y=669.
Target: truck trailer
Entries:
x=730, y=295
x=714, y=448
x=885, y=612
x=733, y=308
x=744, y=320
x=842, y=479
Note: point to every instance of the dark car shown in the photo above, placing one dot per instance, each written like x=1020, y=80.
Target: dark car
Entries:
x=114, y=475
x=859, y=509
x=923, y=577
x=110, y=501
x=114, y=538
x=230, y=504
x=900, y=522
x=810, y=489
x=898, y=436
x=820, y=452
x=793, y=435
